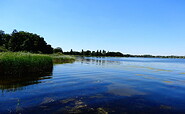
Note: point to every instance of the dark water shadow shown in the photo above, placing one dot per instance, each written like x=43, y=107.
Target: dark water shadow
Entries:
x=14, y=83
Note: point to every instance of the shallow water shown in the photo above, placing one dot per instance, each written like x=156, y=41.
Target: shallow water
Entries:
x=101, y=85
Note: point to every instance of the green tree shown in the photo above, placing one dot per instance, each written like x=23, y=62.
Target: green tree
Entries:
x=93, y=53
x=104, y=53
x=1, y=37
x=88, y=52
x=97, y=53
x=71, y=52
x=14, y=31
x=25, y=41
x=100, y=53
x=58, y=49
x=82, y=53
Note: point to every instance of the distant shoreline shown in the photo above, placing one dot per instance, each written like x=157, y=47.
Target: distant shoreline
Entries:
x=20, y=41
x=136, y=56
x=103, y=53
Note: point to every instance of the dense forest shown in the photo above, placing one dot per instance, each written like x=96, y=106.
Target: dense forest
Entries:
x=29, y=42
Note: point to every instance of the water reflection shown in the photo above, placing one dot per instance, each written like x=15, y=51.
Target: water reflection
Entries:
x=8, y=84
x=98, y=61
x=100, y=85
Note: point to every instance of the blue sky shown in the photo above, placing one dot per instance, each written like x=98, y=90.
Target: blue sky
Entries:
x=131, y=26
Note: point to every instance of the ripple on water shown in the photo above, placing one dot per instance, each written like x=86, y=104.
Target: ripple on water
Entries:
x=127, y=86
x=140, y=75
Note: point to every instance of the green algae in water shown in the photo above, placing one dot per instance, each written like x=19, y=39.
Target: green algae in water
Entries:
x=140, y=75
x=168, y=81
x=151, y=68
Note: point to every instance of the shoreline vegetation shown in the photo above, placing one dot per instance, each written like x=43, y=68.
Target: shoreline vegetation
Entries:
x=59, y=58
x=23, y=53
x=18, y=64
x=28, y=42
x=103, y=53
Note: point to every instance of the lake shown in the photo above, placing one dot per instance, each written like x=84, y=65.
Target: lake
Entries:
x=100, y=85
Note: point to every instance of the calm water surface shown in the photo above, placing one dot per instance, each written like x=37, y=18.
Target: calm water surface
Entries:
x=100, y=85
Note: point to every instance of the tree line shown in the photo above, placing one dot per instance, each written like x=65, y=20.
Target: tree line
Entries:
x=29, y=42
x=94, y=53
x=114, y=54
x=24, y=41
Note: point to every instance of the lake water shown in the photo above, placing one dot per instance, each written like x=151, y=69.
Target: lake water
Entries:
x=101, y=85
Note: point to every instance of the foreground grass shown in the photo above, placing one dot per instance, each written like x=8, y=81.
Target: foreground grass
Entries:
x=22, y=64
x=15, y=64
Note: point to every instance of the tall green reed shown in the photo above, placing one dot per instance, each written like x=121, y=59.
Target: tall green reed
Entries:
x=24, y=64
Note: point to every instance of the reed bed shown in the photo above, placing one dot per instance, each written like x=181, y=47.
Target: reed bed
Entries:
x=24, y=64
x=59, y=59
